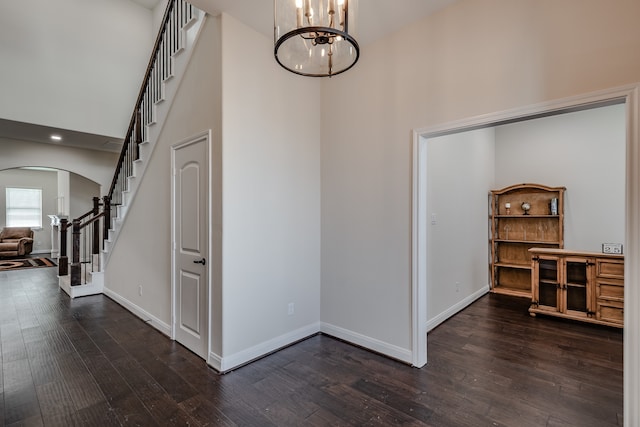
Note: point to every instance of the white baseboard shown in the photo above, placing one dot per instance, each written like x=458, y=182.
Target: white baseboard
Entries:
x=367, y=342
x=435, y=321
x=215, y=361
x=224, y=364
x=41, y=251
x=138, y=311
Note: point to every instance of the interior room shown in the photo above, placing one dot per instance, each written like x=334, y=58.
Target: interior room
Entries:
x=64, y=194
x=583, y=151
x=327, y=215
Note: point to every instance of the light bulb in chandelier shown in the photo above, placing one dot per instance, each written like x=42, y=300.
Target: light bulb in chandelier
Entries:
x=315, y=37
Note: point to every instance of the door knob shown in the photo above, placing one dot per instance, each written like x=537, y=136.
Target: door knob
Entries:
x=202, y=261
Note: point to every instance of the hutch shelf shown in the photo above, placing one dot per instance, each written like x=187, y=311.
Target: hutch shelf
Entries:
x=522, y=217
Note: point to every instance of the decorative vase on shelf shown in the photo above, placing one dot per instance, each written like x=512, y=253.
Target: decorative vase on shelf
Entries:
x=525, y=207
x=553, y=206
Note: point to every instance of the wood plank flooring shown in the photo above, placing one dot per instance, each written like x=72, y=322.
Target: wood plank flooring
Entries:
x=88, y=362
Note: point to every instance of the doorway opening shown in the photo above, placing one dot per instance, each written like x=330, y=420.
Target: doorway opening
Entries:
x=422, y=218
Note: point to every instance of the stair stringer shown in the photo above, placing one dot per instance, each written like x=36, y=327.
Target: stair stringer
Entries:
x=170, y=86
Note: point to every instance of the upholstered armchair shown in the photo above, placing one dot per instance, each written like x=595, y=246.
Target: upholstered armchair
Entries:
x=16, y=241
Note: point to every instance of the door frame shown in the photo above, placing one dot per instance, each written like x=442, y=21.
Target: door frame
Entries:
x=630, y=96
x=206, y=136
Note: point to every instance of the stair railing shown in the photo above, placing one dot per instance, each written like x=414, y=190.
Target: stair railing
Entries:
x=85, y=245
x=177, y=15
x=169, y=41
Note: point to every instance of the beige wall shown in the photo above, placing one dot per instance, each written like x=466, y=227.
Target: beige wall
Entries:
x=271, y=197
x=473, y=58
x=460, y=172
x=583, y=151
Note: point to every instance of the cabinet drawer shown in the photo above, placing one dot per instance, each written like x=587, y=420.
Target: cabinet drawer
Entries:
x=610, y=289
x=610, y=311
x=610, y=268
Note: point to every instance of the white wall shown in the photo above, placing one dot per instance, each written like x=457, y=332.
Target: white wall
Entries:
x=81, y=194
x=73, y=64
x=266, y=198
x=460, y=172
x=271, y=195
x=64, y=196
x=98, y=166
x=142, y=254
x=473, y=58
x=25, y=178
x=582, y=151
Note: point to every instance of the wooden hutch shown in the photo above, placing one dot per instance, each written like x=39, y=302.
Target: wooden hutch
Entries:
x=522, y=217
x=585, y=286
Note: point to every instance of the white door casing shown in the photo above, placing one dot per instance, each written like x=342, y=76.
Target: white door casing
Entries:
x=190, y=236
x=630, y=95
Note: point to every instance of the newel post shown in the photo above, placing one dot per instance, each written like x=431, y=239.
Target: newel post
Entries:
x=138, y=133
x=63, y=260
x=106, y=208
x=75, y=260
x=96, y=227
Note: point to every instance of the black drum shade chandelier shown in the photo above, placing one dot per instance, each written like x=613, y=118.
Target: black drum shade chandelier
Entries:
x=315, y=37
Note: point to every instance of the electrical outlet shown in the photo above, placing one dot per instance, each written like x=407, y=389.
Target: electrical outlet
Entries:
x=140, y=290
x=434, y=219
x=290, y=309
x=457, y=286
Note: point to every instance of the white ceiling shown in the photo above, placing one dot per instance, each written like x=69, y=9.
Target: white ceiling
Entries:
x=375, y=19
x=21, y=131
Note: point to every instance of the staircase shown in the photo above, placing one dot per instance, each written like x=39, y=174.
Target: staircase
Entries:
x=171, y=54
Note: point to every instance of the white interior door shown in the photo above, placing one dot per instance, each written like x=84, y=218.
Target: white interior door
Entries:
x=191, y=243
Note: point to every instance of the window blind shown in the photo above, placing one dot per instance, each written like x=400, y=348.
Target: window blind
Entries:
x=24, y=207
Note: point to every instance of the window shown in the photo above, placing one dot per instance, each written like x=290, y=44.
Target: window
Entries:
x=24, y=207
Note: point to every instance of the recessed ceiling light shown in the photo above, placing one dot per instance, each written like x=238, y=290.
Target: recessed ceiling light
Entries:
x=56, y=138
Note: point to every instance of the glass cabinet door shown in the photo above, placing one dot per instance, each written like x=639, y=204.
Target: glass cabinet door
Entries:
x=548, y=282
x=576, y=285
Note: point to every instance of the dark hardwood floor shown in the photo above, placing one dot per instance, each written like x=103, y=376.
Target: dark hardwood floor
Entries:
x=89, y=362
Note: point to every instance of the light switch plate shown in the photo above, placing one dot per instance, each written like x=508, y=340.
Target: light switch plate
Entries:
x=612, y=248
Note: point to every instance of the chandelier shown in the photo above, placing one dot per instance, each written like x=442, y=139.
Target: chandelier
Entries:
x=315, y=37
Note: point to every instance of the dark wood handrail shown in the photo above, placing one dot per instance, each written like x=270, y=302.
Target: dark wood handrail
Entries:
x=94, y=210
x=85, y=215
x=92, y=220
x=135, y=116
